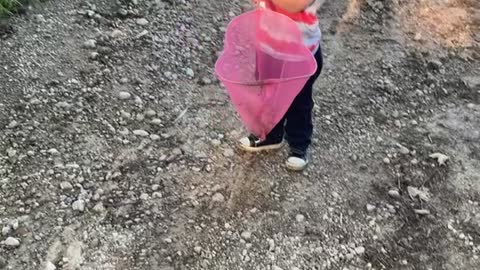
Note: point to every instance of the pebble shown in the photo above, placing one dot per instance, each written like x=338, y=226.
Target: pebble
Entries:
x=394, y=194
x=154, y=137
x=386, y=160
x=471, y=106
x=156, y=122
x=66, y=185
x=116, y=33
x=12, y=125
x=246, y=235
x=197, y=249
x=124, y=95
x=78, y=205
x=398, y=123
x=90, y=44
x=218, y=197
x=49, y=266
x=404, y=150
x=360, y=250
x=53, y=152
x=422, y=212
x=6, y=230
x=12, y=242
x=276, y=268
x=190, y=72
x=371, y=208
x=206, y=80
x=142, y=21
x=150, y=113
x=141, y=133
x=300, y=218
x=144, y=197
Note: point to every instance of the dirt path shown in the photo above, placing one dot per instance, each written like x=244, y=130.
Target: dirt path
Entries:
x=116, y=143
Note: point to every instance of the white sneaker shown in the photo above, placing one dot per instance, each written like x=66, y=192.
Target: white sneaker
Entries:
x=253, y=144
x=297, y=162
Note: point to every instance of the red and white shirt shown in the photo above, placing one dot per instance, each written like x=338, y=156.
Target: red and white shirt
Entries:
x=306, y=20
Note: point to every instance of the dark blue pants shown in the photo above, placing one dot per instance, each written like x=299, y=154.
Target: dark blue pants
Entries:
x=297, y=123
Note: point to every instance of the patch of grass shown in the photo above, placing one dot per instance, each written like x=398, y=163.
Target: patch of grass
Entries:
x=7, y=7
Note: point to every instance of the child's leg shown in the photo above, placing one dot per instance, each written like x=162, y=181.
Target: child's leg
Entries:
x=299, y=127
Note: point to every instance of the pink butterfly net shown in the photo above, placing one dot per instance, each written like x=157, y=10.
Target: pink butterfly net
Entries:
x=264, y=66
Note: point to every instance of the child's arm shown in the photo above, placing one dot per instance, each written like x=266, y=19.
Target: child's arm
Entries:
x=293, y=6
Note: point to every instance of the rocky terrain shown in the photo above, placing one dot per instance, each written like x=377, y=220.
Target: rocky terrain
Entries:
x=117, y=142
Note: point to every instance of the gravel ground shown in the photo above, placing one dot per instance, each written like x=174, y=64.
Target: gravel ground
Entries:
x=117, y=142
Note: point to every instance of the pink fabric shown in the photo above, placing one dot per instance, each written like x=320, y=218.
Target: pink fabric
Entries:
x=264, y=66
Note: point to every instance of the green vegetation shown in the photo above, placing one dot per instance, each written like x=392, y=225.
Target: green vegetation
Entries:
x=8, y=7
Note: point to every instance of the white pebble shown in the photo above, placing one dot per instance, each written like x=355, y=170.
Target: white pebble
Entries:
x=360, y=250
x=50, y=266
x=124, y=95
x=218, y=197
x=141, y=133
x=300, y=218
x=142, y=21
x=12, y=242
x=78, y=205
x=66, y=185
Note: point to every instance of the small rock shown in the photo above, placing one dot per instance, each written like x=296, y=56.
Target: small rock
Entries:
x=144, y=197
x=156, y=122
x=218, y=198
x=12, y=242
x=206, y=81
x=190, y=72
x=11, y=152
x=141, y=133
x=359, y=250
x=90, y=44
x=371, y=208
x=471, y=106
x=386, y=160
x=142, y=21
x=49, y=266
x=300, y=218
x=246, y=235
x=404, y=150
x=66, y=185
x=197, y=249
x=116, y=33
x=150, y=113
x=154, y=137
x=78, y=205
x=398, y=123
x=12, y=125
x=441, y=158
x=53, y=152
x=276, y=268
x=124, y=95
x=394, y=194
x=6, y=230
x=422, y=212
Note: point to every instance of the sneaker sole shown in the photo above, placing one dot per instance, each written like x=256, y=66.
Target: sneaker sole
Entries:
x=294, y=168
x=251, y=149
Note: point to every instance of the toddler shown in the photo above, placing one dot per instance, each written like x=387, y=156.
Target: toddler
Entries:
x=296, y=126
